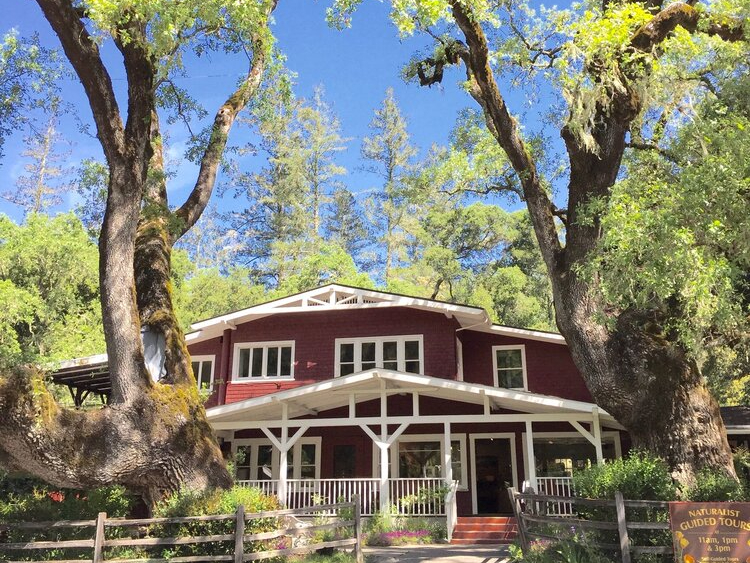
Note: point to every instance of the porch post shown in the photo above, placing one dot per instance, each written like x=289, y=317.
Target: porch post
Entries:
x=385, y=500
x=447, y=465
x=531, y=465
x=283, y=460
x=597, y=429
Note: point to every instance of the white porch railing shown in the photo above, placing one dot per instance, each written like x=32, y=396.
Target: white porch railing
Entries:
x=413, y=497
x=559, y=487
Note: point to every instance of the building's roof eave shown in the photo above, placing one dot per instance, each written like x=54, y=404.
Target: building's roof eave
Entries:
x=316, y=394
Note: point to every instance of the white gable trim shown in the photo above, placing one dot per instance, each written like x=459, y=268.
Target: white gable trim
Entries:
x=342, y=297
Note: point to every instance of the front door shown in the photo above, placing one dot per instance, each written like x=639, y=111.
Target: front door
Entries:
x=493, y=475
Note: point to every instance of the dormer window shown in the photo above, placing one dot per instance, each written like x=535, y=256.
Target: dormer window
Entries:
x=258, y=361
x=397, y=353
x=510, y=367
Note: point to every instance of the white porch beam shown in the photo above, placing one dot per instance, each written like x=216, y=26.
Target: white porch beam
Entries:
x=423, y=419
x=583, y=432
x=415, y=403
x=531, y=462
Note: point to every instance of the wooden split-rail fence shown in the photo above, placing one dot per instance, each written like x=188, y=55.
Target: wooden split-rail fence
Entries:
x=605, y=526
x=290, y=538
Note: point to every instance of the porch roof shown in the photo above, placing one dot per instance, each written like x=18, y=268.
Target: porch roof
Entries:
x=368, y=385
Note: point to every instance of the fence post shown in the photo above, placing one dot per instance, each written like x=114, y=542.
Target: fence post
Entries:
x=515, y=503
x=622, y=527
x=358, y=529
x=99, y=538
x=239, y=534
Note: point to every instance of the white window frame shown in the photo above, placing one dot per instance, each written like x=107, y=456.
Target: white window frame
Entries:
x=379, y=340
x=520, y=347
x=265, y=345
x=255, y=443
x=201, y=359
x=440, y=438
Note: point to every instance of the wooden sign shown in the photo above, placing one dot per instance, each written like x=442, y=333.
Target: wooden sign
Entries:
x=710, y=532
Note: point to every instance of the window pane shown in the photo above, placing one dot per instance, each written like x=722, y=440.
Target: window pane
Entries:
x=197, y=371
x=286, y=361
x=205, y=380
x=265, y=460
x=411, y=350
x=412, y=367
x=344, y=461
x=390, y=351
x=419, y=459
x=307, y=461
x=272, y=363
x=244, y=362
x=346, y=369
x=456, y=459
x=257, y=370
x=508, y=359
x=346, y=353
x=242, y=462
x=368, y=355
x=368, y=351
x=511, y=378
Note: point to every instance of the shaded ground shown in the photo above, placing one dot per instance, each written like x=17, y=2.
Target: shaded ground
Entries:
x=438, y=554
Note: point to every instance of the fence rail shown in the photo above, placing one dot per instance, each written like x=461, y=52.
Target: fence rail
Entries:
x=534, y=511
x=99, y=542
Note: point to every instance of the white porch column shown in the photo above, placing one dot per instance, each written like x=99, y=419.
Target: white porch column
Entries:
x=597, y=428
x=531, y=462
x=284, y=444
x=447, y=465
x=383, y=443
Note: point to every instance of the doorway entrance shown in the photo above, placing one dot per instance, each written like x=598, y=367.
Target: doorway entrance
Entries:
x=494, y=471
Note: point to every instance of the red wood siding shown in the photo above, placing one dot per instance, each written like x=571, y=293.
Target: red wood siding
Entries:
x=549, y=367
x=314, y=334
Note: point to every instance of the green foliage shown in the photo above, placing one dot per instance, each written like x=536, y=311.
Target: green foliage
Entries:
x=28, y=81
x=190, y=503
x=49, y=273
x=711, y=486
x=31, y=500
x=640, y=476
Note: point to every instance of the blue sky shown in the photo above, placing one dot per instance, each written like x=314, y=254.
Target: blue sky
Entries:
x=355, y=67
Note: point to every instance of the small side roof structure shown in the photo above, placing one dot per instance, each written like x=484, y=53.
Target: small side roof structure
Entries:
x=83, y=376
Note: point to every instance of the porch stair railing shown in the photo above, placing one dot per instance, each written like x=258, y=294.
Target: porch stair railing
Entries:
x=557, y=487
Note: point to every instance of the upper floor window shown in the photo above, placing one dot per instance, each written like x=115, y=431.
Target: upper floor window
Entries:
x=510, y=366
x=203, y=370
x=255, y=361
x=398, y=353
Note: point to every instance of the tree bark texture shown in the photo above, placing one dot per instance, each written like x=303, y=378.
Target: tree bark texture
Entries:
x=633, y=370
x=153, y=437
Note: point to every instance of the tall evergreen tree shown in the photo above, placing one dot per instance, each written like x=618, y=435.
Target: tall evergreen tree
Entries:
x=389, y=154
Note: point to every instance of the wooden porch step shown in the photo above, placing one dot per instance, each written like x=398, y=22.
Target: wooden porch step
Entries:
x=471, y=530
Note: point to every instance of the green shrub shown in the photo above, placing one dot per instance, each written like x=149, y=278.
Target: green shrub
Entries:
x=640, y=476
x=190, y=503
x=572, y=550
x=711, y=486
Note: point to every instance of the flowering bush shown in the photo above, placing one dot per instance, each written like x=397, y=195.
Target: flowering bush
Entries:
x=400, y=537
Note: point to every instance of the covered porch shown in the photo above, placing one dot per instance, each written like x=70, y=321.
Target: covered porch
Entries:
x=429, y=446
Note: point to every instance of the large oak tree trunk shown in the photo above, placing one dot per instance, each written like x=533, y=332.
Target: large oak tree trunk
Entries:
x=153, y=436
x=633, y=370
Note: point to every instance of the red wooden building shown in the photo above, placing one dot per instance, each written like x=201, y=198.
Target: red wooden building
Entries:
x=423, y=404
